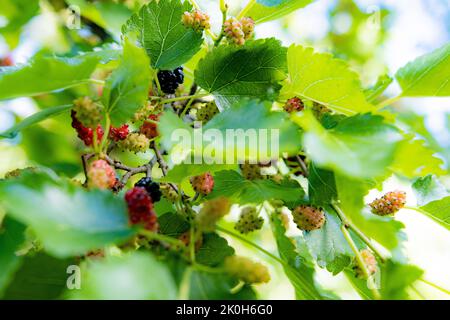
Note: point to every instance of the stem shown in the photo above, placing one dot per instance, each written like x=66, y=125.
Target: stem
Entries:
x=387, y=102
x=434, y=285
x=361, y=235
x=183, y=98
x=186, y=107
x=201, y=267
x=223, y=9
x=96, y=81
x=84, y=159
x=303, y=166
x=361, y=262
x=162, y=238
x=192, y=240
x=246, y=9
x=158, y=85
x=106, y=134
x=237, y=236
x=418, y=292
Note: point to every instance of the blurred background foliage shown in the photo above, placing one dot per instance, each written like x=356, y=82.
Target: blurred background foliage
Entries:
x=375, y=36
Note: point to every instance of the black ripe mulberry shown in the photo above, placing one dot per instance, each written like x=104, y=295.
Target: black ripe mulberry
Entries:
x=152, y=188
x=170, y=80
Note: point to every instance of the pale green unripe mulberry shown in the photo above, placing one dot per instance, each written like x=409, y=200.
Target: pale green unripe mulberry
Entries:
x=247, y=270
x=249, y=220
x=135, y=142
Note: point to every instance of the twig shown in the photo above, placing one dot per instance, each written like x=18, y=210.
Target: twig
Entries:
x=84, y=159
x=348, y=225
x=160, y=160
x=361, y=262
x=302, y=166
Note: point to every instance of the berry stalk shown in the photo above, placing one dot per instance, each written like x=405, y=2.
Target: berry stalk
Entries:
x=361, y=262
x=348, y=225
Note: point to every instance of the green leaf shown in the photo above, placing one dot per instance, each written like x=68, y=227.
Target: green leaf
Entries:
x=255, y=117
x=33, y=119
x=133, y=276
x=439, y=211
x=320, y=78
x=11, y=238
x=181, y=172
x=362, y=146
x=298, y=269
x=246, y=131
x=427, y=76
x=231, y=184
x=328, y=245
x=428, y=189
x=108, y=15
x=378, y=88
x=384, y=230
x=414, y=159
x=40, y=277
x=396, y=278
x=172, y=224
x=213, y=250
x=208, y=286
x=45, y=74
x=267, y=10
x=17, y=14
x=253, y=70
x=321, y=186
x=160, y=31
x=68, y=219
x=127, y=88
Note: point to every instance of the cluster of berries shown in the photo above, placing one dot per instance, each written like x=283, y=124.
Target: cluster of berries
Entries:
x=140, y=208
x=101, y=175
x=196, y=19
x=249, y=220
x=170, y=80
x=247, y=270
x=388, y=204
x=294, y=105
x=308, y=218
x=370, y=262
x=238, y=31
x=86, y=114
x=211, y=212
x=203, y=183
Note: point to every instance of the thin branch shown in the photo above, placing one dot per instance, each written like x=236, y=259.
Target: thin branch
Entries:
x=302, y=166
x=237, y=236
x=434, y=285
x=361, y=262
x=84, y=159
x=348, y=225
